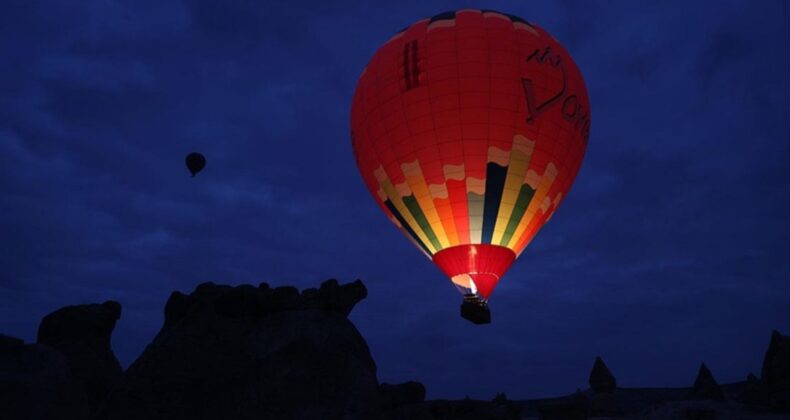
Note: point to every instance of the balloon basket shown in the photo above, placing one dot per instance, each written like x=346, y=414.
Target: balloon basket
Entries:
x=475, y=310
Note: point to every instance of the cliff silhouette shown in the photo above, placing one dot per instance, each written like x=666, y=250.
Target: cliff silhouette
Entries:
x=248, y=352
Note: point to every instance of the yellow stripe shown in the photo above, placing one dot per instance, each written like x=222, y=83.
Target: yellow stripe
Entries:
x=520, y=156
x=543, y=188
x=397, y=201
x=411, y=238
x=416, y=181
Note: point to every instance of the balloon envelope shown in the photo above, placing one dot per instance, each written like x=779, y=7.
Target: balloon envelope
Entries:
x=195, y=162
x=468, y=129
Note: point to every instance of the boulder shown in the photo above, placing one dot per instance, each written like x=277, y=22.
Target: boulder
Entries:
x=705, y=386
x=601, y=379
x=775, y=378
x=253, y=353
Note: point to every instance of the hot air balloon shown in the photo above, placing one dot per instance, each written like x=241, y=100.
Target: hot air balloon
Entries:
x=195, y=163
x=468, y=129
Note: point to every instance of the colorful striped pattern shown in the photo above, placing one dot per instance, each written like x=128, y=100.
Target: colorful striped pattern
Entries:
x=497, y=210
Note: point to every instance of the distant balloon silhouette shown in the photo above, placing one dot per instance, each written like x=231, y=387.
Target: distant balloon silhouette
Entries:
x=195, y=162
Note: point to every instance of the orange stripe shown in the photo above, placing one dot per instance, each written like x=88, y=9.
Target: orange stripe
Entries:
x=456, y=190
x=445, y=210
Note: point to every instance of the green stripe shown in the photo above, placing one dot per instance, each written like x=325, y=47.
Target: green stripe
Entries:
x=522, y=202
x=405, y=225
x=419, y=216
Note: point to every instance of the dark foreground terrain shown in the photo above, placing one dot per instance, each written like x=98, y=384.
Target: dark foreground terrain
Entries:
x=249, y=352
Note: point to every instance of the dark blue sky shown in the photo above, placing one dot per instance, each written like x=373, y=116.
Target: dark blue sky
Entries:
x=671, y=249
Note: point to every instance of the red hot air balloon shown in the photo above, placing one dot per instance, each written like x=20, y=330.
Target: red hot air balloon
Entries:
x=468, y=129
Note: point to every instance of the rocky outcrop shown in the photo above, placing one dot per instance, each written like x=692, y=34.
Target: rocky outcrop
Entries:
x=751, y=391
x=775, y=377
x=257, y=352
x=601, y=379
x=705, y=386
x=68, y=373
x=36, y=383
x=602, y=400
x=250, y=352
x=82, y=334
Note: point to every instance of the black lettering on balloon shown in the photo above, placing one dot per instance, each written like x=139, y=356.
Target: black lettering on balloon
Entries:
x=533, y=107
x=411, y=69
x=572, y=111
x=570, y=107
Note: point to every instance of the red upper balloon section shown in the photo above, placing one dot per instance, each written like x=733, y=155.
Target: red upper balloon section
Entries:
x=469, y=129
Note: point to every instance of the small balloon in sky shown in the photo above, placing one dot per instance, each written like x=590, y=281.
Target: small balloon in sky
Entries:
x=195, y=162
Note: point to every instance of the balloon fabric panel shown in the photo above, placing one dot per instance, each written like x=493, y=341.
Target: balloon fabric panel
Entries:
x=468, y=129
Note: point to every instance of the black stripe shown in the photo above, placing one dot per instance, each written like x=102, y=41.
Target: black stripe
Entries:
x=405, y=225
x=495, y=185
x=443, y=16
x=513, y=18
x=451, y=15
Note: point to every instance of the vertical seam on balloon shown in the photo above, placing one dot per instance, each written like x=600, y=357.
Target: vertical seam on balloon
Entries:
x=381, y=163
x=515, y=98
x=427, y=208
x=485, y=234
x=451, y=239
x=461, y=125
x=460, y=218
x=412, y=141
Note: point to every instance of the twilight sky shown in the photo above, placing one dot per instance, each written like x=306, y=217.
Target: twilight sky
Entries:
x=671, y=249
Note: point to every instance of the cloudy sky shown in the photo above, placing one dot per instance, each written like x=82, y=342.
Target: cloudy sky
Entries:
x=671, y=249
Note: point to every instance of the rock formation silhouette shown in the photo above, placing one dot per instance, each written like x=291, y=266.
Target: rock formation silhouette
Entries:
x=750, y=393
x=248, y=352
x=775, y=377
x=601, y=379
x=264, y=353
x=68, y=373
x=36, y=383
x=602, y=400
x=705, y=386
x=82, y=334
